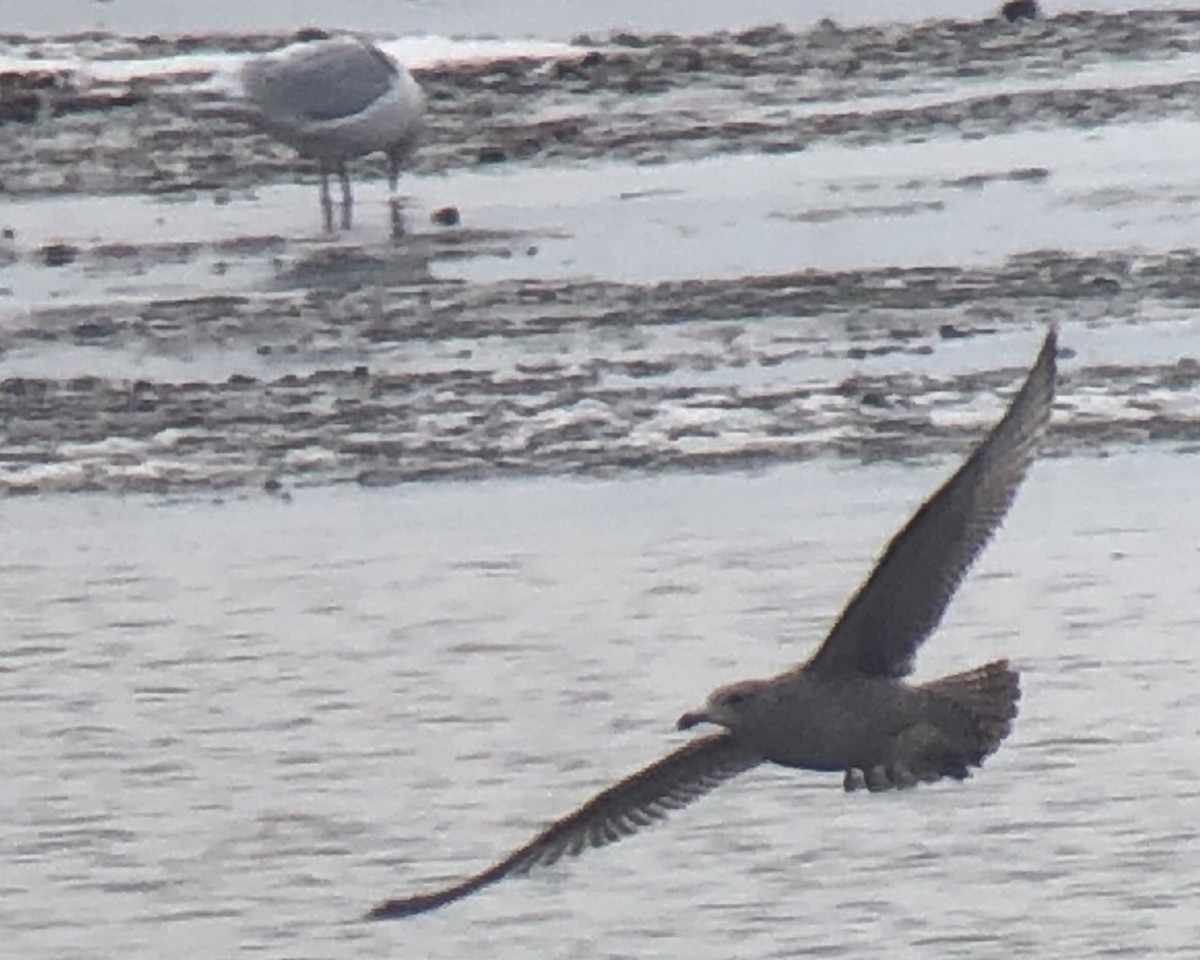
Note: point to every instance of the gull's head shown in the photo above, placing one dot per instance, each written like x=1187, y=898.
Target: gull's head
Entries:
x=732, y=706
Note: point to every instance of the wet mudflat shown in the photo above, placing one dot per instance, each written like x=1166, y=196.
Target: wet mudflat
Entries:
x=698, y=252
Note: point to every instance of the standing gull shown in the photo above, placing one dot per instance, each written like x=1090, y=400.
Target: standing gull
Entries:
x=848, y=708
x=338, y=98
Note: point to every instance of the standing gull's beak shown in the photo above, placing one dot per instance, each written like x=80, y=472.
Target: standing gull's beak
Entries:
x=690, y=719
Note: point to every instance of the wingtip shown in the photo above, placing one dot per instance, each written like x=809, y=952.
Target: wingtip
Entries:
x=397, y=909
x=1043, y=375
x=1050, y=343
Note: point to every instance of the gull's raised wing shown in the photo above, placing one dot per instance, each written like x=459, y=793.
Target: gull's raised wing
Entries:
x=906, y=594
x=639, y=800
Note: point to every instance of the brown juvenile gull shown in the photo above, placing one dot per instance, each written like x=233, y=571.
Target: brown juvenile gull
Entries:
x=848, y=707
x=336, y=98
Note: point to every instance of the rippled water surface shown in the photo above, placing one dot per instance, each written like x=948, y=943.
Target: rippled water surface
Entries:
x=231, y=727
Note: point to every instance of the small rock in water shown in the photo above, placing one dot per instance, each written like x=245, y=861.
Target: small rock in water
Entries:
x=1015, y=10
x=59, y=254
x=446, y=217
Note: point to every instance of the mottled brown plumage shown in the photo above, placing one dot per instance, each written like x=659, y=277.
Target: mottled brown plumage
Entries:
x=847, y=708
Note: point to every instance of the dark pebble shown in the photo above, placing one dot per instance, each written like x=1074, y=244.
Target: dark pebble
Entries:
x=1015, y=10
x=59, y=254
x=94, y=330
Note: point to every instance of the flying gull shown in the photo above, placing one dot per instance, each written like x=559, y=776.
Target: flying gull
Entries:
x=848, y=708
x=337, y=98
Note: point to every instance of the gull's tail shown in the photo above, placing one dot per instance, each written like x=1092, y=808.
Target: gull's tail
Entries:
x=989, y=694
x=967, y=716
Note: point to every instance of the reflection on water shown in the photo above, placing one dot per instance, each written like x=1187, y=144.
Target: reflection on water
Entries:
x=233, y=726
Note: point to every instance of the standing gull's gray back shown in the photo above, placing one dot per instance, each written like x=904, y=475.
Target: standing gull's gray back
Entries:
x=331, y=81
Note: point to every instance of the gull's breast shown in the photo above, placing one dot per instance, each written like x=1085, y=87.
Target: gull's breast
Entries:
x=834, y=725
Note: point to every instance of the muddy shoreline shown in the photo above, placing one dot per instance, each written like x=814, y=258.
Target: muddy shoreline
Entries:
x=464, y=381
x=642, y=99
x=343, y=362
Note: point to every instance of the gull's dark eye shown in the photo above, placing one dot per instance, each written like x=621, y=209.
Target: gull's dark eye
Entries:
x=736, y=698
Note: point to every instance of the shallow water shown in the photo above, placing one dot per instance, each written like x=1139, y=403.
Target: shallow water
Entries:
x=233, y=726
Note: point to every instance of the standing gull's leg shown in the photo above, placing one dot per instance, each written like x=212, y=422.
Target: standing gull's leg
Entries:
x=326, y=200
x=347, y=198
x=393, y=198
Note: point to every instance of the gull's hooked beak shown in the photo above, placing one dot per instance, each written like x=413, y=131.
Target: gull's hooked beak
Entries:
x=691, y=718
